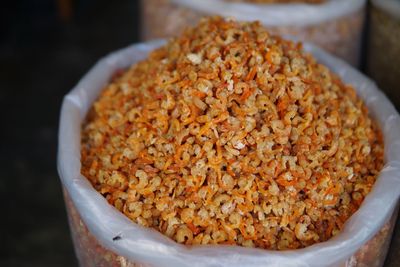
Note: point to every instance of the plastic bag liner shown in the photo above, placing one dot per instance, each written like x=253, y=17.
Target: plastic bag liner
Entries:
x=298, y=14
x=144, y=245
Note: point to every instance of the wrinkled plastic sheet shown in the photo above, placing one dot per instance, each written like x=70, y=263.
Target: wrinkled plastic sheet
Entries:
x=140, y=244
x=297, y=14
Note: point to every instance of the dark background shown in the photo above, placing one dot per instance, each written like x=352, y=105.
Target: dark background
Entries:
x=45, y=47
x=44, y=51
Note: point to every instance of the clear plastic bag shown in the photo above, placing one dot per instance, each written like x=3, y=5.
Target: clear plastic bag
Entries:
x=336, y=25
x=105, y=237
x=384, y=48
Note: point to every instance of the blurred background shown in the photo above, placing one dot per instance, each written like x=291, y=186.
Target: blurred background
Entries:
x=46, y=46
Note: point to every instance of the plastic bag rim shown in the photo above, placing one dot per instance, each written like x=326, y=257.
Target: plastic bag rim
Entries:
x=181, y=252
x=298, y=14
